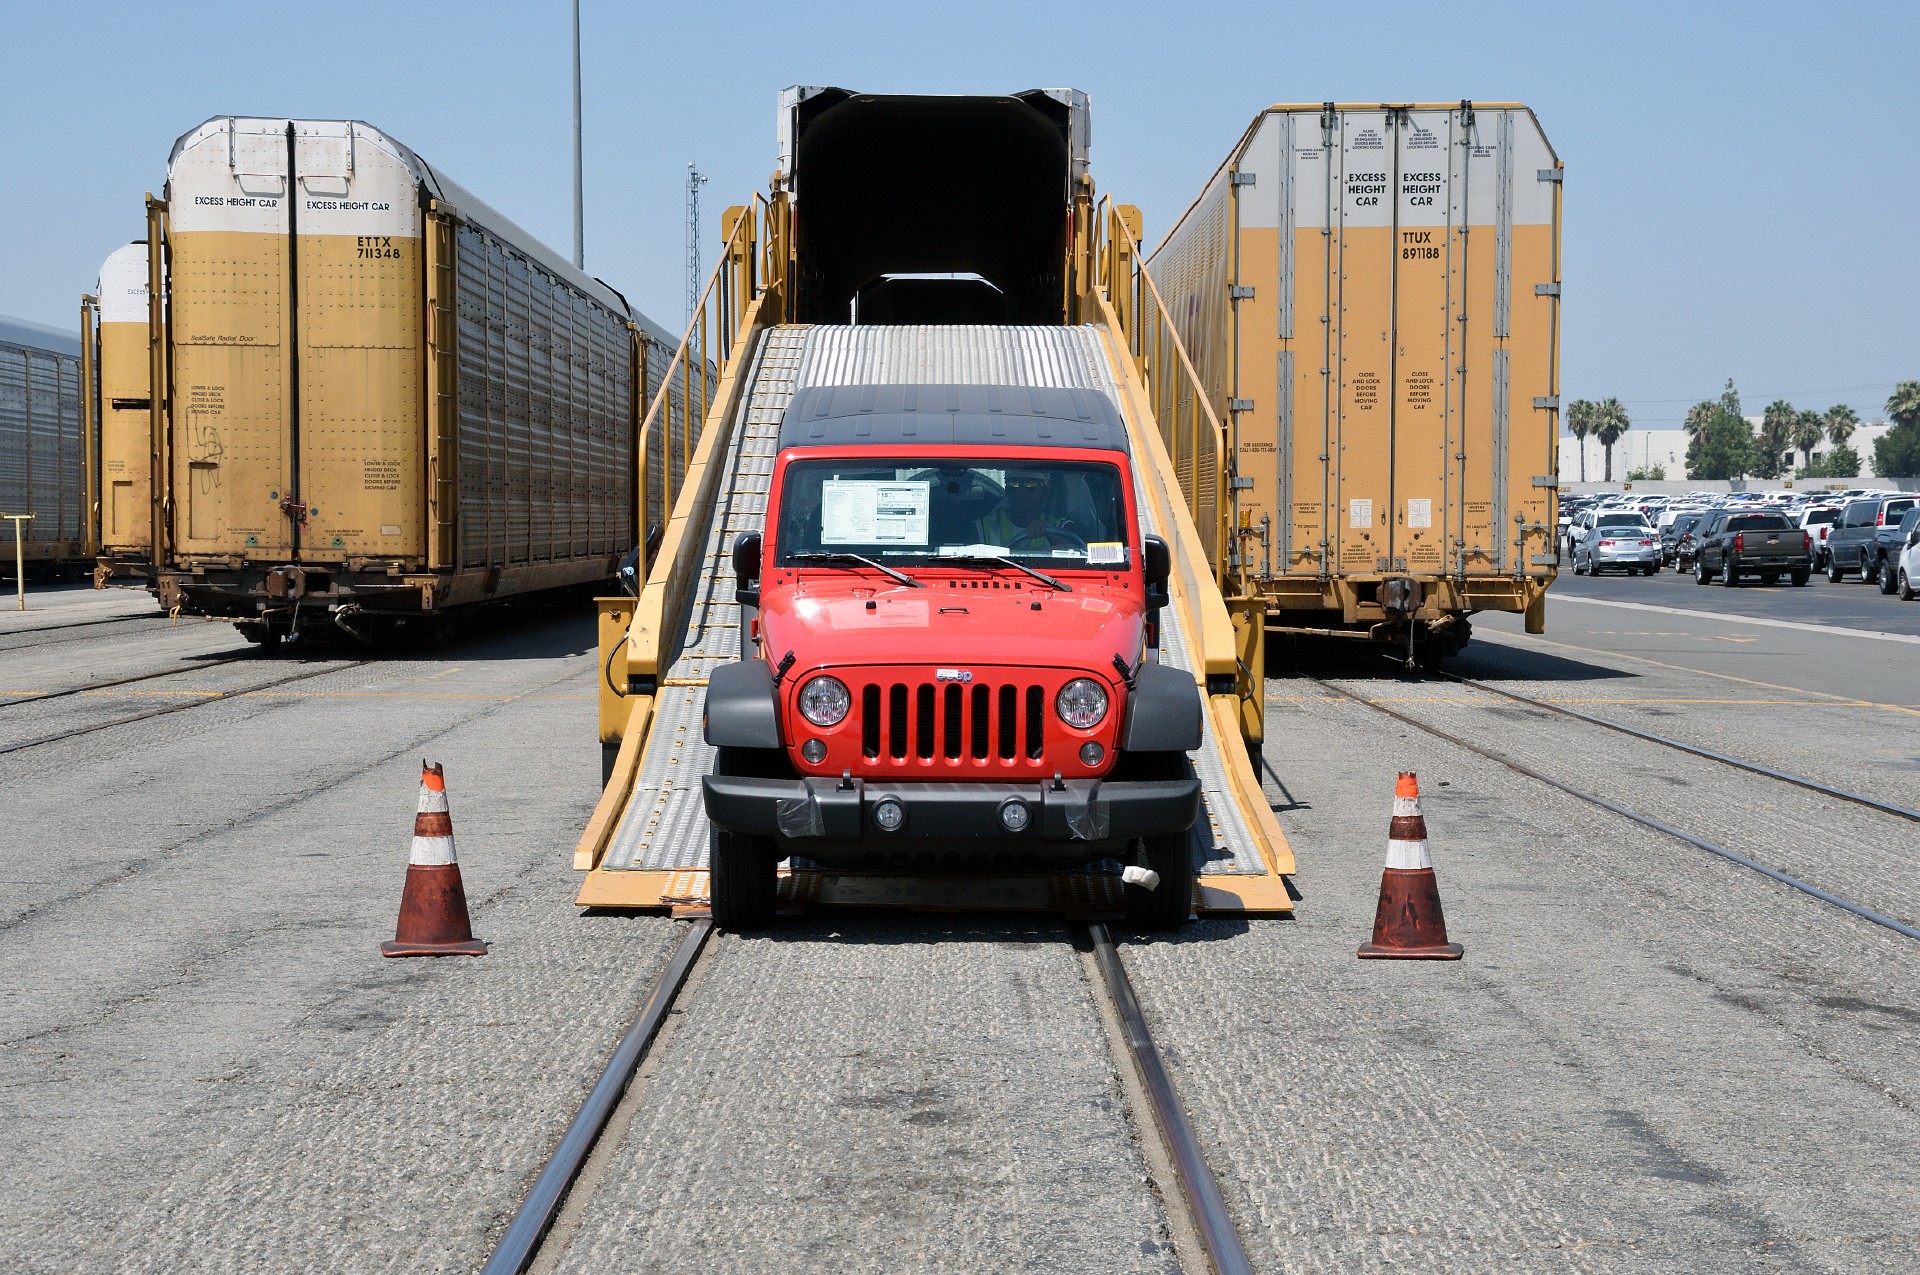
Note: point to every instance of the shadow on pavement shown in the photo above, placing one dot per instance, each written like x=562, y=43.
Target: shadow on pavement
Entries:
x=1482, y=661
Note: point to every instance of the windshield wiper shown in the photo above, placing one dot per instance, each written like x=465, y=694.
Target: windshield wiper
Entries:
x=989, y=559
x=850, y=559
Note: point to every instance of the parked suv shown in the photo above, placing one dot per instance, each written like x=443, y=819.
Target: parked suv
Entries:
x=1734, y=542
x=953, y=668
x=1888, y=543
x=1676, y=527
x=1851, y=545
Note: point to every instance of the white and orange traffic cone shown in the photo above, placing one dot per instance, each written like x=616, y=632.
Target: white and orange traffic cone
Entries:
x=433, y=907
x=1408, y=923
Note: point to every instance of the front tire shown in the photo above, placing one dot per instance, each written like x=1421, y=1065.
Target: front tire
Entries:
x=743, y=870
x=1167, y=906
x=1700, y=575
x=1907, y=593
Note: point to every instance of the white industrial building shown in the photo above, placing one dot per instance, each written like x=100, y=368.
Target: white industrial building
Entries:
x=1638, y=448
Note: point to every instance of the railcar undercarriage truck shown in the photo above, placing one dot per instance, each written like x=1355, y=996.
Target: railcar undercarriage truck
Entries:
x=953, y=668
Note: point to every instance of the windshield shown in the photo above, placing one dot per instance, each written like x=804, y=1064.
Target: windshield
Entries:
x=1758, y=522
x=1067, y=513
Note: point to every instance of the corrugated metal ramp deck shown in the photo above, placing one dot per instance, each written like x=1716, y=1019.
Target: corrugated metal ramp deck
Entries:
x=663, y=831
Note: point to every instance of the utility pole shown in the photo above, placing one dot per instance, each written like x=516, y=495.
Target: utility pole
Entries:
x=694, y=182
x=579, y=209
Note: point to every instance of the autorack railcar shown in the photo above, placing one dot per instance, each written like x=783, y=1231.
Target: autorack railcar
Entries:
x=384, y=400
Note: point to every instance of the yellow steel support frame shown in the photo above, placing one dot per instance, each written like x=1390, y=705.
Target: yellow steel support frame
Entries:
x=1200, y=454
x=440, y=395
x=633, y=631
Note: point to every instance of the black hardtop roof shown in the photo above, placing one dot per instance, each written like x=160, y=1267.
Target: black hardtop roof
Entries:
x=967, y=415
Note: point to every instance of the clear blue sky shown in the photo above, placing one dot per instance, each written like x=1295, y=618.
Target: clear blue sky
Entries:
x=1742, y=194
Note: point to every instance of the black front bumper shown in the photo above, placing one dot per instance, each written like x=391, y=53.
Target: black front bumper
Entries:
x=1073, y=815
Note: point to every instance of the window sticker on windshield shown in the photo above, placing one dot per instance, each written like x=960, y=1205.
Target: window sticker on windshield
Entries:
x=1359, y=513
x=866, y=512
x=1106, y=553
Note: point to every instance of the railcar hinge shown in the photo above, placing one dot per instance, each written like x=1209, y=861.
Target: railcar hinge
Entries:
x=1545, y=480
x=1241, y=179
x=1240, y=483
x=1240, y=292
x=1548, y=401
x=1239, y=405
x=1552, y=174
x=1546, y=289
x=1546, y=560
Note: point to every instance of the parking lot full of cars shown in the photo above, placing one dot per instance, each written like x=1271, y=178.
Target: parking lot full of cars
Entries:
x=1768, y=538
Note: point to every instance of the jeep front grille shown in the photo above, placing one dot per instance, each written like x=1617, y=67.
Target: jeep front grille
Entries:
x=951, y=722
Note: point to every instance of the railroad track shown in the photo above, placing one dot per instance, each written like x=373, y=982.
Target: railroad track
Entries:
x=1643, y=819
x=83, y=624
x=201, y=699
x=1206, y=1215
x=94, y=687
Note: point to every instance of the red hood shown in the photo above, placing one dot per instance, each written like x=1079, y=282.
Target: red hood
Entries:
x=962, y=621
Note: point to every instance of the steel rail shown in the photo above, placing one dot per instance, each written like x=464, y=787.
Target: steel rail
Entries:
x=121, y=681
x=1225, y=1250
x=518, y=1246
x=214, y=697
x=1644, y=820
x=80, y=624
x=1799, y=781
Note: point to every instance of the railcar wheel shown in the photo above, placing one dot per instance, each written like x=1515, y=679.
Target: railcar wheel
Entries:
x=1166, y=906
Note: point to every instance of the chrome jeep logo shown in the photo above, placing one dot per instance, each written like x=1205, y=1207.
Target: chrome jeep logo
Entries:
x=952, y=675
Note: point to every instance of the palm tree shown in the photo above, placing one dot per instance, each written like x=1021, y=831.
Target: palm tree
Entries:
x=1580, y=423
x=1840, y=421
x=1698, y=417
x=1808, y=430
x=1609, y=423
x=1776, y=436
x=1903, y=407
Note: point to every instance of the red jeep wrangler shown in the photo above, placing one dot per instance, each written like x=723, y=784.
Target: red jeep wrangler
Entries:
x=950, y=671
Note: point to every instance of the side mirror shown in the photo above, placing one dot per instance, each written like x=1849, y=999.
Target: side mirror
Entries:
x=1913, y=538
x=746, y=569
x=1157, y=561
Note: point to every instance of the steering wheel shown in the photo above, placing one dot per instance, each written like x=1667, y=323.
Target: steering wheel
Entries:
x=1065, y=537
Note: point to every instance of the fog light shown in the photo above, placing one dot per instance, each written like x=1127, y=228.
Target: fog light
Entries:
x=1091, y=753
x=1014, y=815
x=889, y=815
x=814, y=750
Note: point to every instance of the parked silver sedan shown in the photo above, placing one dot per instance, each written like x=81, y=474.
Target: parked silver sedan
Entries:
x=1630, y=547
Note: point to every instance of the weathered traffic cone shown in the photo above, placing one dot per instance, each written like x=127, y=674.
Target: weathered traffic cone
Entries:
x=1408, y=924
x=433, y=907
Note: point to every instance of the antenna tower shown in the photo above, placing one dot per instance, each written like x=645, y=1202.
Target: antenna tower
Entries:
x=694, y=182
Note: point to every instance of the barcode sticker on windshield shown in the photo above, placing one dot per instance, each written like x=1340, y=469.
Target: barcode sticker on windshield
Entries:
x=1106, y=553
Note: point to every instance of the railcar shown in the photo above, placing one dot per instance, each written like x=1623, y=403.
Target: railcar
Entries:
x=44, y=445
x=116, y=328
x=384, y=401
x=1370, y=295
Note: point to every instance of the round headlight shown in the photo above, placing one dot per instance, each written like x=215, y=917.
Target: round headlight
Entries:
x=1081, y=703
x=824, y=701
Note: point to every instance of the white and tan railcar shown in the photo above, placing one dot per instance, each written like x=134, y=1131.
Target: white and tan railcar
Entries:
x=123, y=402
x=1370, y=294
x=383, y=400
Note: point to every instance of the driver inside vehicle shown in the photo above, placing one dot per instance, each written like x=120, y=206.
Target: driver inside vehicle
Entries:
x=1023, y=521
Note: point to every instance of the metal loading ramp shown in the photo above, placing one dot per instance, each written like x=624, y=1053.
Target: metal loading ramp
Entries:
x=653, y=852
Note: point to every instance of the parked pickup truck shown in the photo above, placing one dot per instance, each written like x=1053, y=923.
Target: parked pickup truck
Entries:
x=1853, y=545
x=1734, y=543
